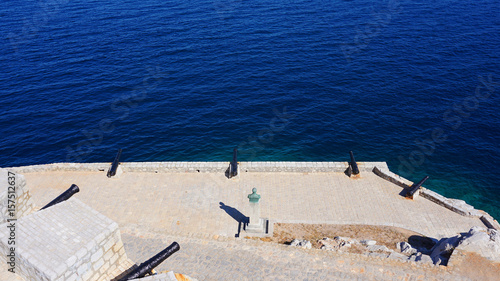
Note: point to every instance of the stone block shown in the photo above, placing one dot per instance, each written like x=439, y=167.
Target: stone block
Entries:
x=69, y=237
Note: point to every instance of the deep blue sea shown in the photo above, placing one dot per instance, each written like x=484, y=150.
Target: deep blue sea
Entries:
x=413, y=83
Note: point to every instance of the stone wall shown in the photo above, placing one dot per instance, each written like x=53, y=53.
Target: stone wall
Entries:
x=13, y=187
x=68, y=241
x=204, y=167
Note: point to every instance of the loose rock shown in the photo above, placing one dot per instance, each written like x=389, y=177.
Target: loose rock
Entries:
x=301, y=243
x=336, y=244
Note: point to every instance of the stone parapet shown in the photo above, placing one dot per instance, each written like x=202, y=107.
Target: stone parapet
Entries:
x=204, y=167
x=339, y=167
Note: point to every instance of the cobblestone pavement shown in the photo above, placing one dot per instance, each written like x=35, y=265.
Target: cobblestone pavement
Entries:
x=219, y=258
x=211, y=203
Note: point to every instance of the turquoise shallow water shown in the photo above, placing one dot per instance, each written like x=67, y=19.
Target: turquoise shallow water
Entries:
x=412, y=83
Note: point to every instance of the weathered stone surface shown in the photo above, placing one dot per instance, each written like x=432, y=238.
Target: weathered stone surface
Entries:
x=301, y=243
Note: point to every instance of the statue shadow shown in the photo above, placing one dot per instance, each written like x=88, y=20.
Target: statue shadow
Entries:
x=237, y=216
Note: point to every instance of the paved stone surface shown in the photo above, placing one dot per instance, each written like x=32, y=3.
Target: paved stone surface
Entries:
x=191, y=202
x=155, y=209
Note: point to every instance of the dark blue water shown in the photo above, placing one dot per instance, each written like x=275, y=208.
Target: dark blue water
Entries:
x=413, y=83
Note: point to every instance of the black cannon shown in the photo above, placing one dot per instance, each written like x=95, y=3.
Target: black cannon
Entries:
x=233, y=166
x=114, y=165
x=413, y=189
x=147, y=267
x=64, y=196
x=353, y=165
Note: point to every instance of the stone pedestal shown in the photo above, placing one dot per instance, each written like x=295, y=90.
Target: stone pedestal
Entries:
x=256, y=223
x=254, y=214
x=257, y=226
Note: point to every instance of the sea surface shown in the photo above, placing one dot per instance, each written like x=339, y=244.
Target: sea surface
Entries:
x=412, y=83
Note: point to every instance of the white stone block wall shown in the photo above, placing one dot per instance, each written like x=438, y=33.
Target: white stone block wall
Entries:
x=68, y=241
x=18, y=192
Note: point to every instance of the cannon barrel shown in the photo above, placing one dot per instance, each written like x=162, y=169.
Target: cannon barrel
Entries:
x=147, y=266
x=415, y=187
x=64, y=196
x=114, y=165
x=354, y=166
x=233, y=166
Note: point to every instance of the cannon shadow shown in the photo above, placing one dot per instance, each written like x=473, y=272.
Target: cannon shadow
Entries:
x=237, y=216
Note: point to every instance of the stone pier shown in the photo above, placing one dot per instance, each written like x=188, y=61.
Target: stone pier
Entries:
x=155, y=203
